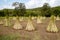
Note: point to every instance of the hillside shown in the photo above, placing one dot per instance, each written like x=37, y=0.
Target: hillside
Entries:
x=32, y=12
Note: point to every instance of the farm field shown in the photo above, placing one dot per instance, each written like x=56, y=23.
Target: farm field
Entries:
x=29, y=20
x=8, y=33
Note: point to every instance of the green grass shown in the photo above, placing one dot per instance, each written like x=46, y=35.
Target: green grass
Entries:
x=15, y=36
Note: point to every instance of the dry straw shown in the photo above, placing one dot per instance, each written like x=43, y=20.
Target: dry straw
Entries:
x=52, y=26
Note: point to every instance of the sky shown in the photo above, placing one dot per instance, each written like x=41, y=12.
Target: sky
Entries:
x=28, y=3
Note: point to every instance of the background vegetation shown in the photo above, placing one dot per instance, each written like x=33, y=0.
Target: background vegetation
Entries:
x=21, y=10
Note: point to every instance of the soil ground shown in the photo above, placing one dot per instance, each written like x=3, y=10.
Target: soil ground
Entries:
x=39, y=34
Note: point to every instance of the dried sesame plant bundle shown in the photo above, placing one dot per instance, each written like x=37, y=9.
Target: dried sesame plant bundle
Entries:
x=57, y=18
x=52, y=26
x=6, y=21
x=39, y=19
x=30, y=26
x=1, y=20
x=17, y=25
x=21, y=18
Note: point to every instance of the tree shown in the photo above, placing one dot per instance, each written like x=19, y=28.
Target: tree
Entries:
x=19, y=8
x=46, y=10
x=56, y=12
x=2, y=13
x=16, y=4
x=6, y=12
x=22, y=9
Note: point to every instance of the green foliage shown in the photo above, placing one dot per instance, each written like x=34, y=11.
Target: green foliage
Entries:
x=46, y=10
x=21, y=10
x=56, y=12
x=2, y=13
